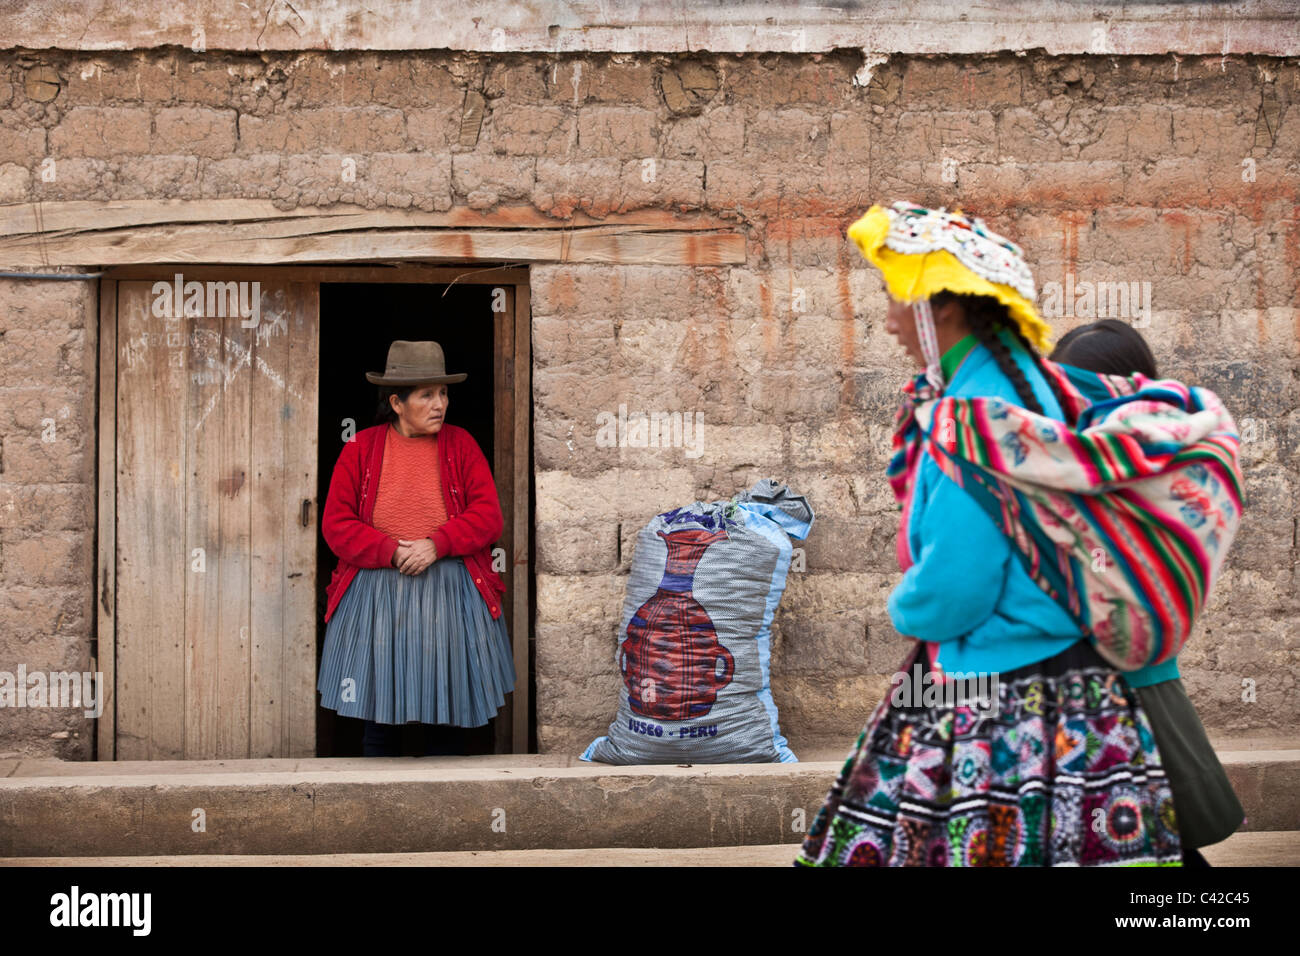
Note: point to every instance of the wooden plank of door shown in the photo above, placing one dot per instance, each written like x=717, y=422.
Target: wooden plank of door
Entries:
x=150, y=565
x=208, y=378
x=520, y=568
x=301, y=447
x=250, y=628
x=228, y=476
x=216, y=451
x=106, y=548
x=503, y=337
x=272, y=517
x=282, y=466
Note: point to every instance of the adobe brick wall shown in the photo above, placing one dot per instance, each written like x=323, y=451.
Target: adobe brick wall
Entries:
x=48, y=335
x=1110, y=168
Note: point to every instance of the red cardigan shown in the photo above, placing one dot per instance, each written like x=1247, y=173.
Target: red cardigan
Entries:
x=474, y=519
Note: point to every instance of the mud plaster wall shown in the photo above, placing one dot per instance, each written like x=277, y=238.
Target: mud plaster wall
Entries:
x=1109, y=168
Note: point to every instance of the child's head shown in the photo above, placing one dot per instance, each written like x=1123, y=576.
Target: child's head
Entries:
x=1109, y=347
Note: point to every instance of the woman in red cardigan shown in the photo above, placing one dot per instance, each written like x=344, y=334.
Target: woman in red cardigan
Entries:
x=415, y=628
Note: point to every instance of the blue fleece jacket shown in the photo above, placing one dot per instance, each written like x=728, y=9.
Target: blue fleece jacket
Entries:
x=967, y=589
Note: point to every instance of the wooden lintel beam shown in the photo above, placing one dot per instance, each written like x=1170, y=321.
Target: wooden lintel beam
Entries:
x=50, y=218
x=285, y=243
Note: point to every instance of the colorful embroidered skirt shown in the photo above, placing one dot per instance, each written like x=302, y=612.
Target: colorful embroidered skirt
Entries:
x=1063, y=771
x=423, y=648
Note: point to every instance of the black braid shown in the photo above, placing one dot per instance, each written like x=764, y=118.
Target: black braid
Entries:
x=984, y=316
x=1051, y=379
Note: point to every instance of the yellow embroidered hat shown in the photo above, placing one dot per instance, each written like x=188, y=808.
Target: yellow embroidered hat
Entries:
x=923, y=251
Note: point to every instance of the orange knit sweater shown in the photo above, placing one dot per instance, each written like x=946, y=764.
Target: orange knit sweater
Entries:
x=408, y=503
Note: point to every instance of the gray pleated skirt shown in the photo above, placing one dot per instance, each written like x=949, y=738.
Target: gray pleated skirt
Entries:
x=424, y=648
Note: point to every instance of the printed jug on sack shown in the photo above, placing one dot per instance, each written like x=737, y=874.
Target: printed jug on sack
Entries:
x=695, y=633
x=672, y=661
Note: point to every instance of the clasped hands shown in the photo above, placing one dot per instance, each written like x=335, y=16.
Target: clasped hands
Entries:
x=413, y=557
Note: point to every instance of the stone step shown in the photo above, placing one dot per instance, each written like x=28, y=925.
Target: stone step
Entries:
x=1268, y=848
x=455, y=804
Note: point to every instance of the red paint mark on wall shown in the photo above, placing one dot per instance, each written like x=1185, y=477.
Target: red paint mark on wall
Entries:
x=1189, y=225
x=768, y=314
x=1070, y=223
x=848, y=347
x=806, y=227
x=1291, y=245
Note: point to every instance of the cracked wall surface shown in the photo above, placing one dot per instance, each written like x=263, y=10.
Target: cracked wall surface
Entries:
x=1175, y=172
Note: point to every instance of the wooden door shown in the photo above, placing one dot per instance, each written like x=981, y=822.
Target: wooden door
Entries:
x=212, y=524
x=512, y=373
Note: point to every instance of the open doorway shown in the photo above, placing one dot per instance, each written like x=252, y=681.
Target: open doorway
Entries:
x=358, y=322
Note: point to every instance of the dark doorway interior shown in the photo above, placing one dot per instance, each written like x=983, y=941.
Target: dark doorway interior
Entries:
x=358, y=322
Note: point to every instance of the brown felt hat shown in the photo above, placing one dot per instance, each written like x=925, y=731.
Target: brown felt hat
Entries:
x=415, y=363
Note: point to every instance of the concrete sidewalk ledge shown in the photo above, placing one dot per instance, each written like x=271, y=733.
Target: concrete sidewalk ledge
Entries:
x=1240, y=849
x=110, y=768
x=430, y=804
x=443, y=804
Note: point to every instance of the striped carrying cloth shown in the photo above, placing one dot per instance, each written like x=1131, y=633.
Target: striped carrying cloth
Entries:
x=1123, y=515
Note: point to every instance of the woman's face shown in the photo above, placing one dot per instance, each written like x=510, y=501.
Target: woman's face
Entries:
x=901, y=324
x=423, y=411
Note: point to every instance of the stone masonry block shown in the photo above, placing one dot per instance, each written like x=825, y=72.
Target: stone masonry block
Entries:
x=615, y=131
x=44, y=560
x=102, y=132
x=201, y=132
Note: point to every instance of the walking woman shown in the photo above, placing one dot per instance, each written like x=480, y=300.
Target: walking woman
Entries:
x=1003, y=488
x=1205, y=804
x=415, y=630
